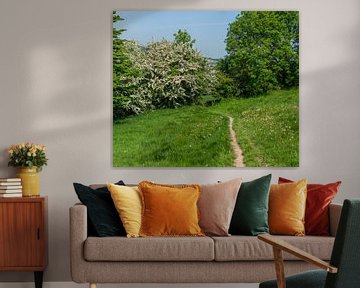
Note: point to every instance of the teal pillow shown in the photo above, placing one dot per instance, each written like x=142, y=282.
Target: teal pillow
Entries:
x=250, y=216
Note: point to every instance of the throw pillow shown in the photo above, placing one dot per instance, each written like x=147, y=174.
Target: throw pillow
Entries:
x=127, y=201
x=319, y=197
x=216, y=206
x=250, y=215
x=169, y=210
x=102, y=216
x=287, y=204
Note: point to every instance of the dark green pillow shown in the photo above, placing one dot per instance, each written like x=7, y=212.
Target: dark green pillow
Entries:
x=250, y=216
x=102, y=215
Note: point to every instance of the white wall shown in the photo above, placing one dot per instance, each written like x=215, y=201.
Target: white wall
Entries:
x=55, y=89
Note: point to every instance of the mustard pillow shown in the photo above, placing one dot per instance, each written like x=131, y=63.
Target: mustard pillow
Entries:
x=287, y=204
x=169, y=210
x=127, y=201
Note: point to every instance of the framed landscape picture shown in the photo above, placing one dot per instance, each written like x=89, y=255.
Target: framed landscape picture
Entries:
x=205, y=88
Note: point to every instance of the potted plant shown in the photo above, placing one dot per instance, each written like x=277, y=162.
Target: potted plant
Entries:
x=30, y=158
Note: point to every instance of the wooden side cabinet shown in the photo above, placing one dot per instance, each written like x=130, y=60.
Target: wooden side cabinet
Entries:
x=23, y=235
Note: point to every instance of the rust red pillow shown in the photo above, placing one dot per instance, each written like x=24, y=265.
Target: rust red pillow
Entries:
x=319, y=197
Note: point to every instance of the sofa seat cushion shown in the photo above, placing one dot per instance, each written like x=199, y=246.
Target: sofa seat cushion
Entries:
x=244, y=248
x=149, y=249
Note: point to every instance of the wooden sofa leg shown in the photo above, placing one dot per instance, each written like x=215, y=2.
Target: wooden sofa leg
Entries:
x=92, y=285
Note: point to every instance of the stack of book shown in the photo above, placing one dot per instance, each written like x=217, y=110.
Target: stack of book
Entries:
x=10, y=187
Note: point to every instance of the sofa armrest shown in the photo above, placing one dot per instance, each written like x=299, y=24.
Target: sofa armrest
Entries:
x=334, y=216
x=78, y=235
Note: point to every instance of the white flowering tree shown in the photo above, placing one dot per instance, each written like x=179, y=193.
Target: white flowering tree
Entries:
x=164, y=74
x=176, y=74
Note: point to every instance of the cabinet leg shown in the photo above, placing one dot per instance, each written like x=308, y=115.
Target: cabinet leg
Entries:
x=38, y=279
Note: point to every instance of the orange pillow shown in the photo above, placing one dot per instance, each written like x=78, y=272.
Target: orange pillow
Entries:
x=287, y=204
x=169, y=210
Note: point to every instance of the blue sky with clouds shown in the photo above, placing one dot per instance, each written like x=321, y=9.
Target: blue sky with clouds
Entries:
x=208, y=28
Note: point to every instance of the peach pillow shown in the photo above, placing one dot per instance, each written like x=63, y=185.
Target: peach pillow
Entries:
x=216, y=206
x=169, y=210
x=287, y=203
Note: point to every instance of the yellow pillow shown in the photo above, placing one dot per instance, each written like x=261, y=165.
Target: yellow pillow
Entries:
x=169, y=210
x=127, y=201
x=287, y=204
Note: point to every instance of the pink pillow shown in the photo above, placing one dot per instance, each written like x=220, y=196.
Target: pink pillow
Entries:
x=216, y=206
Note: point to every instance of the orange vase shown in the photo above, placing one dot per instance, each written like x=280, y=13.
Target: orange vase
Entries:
x=30, y=181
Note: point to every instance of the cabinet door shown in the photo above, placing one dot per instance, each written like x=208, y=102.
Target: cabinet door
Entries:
x=21, y=234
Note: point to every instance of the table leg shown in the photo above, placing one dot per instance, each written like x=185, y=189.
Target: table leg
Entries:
x=38, y=279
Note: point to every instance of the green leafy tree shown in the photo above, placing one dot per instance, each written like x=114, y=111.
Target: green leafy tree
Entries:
x=263, y=51
x=120, y=61
x=116, y=31
x=120, y=64
x=133, y=99
x=183, y=37
x=225, y=85
x=123, y=72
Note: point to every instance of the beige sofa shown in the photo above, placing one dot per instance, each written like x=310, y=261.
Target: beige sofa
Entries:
x=234, y=259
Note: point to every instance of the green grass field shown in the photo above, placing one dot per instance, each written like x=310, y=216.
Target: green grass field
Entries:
x=267, y=129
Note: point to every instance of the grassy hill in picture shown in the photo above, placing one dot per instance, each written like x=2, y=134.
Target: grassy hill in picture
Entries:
x=267, y=129
x=205, y=88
